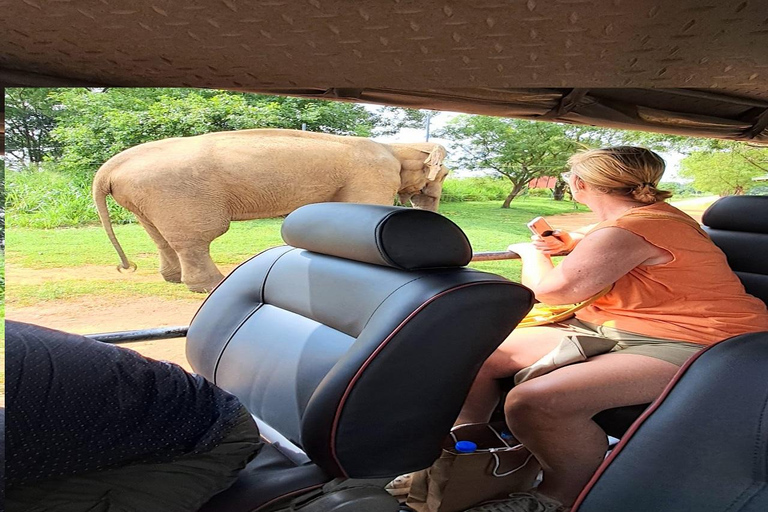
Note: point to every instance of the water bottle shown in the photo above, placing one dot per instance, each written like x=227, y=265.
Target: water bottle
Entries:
x=465, y=447
x=506, y=435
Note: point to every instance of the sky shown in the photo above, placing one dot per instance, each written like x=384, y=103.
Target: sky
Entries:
x=442, y=118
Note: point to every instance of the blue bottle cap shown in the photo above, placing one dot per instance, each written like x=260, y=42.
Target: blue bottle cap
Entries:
x=465, y=447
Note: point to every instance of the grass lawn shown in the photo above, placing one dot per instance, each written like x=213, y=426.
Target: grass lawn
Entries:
x=489, y=228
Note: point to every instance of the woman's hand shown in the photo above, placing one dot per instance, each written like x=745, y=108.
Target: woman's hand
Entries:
x=536, y=264
x=523, y=249
x=558, y=244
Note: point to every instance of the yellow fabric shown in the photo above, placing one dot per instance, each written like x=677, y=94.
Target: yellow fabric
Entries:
x=695, y=297
x=543, y=314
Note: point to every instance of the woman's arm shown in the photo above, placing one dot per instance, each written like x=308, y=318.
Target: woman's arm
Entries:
x=598, y=260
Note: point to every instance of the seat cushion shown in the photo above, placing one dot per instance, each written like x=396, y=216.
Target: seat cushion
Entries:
x=269, y=479
x=702, y=446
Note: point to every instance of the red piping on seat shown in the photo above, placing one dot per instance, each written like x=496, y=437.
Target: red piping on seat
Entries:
x=636, y=426
x=373, y=356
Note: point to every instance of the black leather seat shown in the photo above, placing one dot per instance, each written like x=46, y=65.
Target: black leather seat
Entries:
x=738, y=225
x=703, y=446
x=354, y=348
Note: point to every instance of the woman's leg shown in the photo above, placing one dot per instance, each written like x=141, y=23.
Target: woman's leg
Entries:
x=522, y=348
x=552, y=414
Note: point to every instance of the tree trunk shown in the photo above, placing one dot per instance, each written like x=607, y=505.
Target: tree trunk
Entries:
x=559, y=191
x=515, y=191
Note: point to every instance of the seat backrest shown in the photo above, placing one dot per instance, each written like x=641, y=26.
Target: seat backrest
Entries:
x=702, y=446
x=359, y=341
x=739, y=226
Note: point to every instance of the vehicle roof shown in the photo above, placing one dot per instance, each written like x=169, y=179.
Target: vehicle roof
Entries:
x=691, y=67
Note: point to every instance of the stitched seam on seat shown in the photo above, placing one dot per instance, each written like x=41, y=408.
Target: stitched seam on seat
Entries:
x=376, y=231
x=269, y=271
x=755, y=494
x=229, y=340
x=378, y=349
x=248, y=317
x=387, y=297
x=760, y=451
x=286, y=495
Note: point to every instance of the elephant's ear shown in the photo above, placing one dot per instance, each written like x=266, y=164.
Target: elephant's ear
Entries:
x=434, y=161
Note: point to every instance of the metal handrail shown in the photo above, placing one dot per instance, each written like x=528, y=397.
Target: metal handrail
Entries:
x=160, y=333
x=164, y=333
x=495, y=256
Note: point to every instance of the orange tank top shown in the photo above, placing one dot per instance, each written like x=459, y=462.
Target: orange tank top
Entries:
x=696, y=297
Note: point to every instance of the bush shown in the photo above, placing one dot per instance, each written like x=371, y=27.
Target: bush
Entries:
x=475, y=189
x=42, y=197
x=540, y=192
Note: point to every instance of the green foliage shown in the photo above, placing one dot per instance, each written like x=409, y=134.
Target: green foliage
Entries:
x=29, y=120
x=42, y=197
x=2, y=280
x=94, y=125
x=390, y=120
x=474, y=189
x=2, y=204
x=726, y=171
x=680, y=190
x=516, y=149
x=539, y=192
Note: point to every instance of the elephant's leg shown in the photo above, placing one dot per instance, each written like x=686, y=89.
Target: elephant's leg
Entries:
x=198, y=271
x=170, y=267
x=189, y=225
x=191, y=237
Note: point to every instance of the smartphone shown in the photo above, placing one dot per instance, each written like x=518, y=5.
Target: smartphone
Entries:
x=541, y=227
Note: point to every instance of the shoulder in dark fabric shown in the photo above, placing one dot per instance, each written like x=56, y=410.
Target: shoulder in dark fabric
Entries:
x=76, y=405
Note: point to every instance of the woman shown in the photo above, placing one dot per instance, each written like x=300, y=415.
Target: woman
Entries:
x=672, y=293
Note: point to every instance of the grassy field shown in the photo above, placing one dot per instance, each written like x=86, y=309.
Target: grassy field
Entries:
x=2, y=329
x=489, y=228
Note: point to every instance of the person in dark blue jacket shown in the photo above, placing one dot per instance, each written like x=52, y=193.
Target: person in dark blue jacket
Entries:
x=95, y=427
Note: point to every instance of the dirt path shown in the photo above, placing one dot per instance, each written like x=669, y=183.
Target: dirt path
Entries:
x=87, y=316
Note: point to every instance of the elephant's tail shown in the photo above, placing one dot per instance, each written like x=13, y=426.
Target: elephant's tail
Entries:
x=101, y=189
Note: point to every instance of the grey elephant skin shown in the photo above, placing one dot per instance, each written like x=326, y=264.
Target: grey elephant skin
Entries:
x=185, y=191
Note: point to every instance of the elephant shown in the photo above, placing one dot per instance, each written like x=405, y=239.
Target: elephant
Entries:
x=185, y=191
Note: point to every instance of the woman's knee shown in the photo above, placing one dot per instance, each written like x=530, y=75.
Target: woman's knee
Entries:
x=500, y=365
x=535, y=404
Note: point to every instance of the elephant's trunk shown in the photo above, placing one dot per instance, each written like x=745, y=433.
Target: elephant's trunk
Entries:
x=425, y=202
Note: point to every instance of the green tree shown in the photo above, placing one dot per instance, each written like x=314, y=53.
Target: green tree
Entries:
x=390, y=120
x=516, y=149
x=727, y=168
x=2, y=207
x=95, y=124
x=29, y=120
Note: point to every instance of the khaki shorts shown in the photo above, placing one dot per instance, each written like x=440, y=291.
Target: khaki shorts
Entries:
x=179, y=486
x=675, y=352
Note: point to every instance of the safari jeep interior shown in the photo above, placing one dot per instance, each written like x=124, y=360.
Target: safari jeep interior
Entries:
x=349, y=344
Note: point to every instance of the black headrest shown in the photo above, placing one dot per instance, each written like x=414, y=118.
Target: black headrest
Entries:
x=738, y=213
x=403, y=238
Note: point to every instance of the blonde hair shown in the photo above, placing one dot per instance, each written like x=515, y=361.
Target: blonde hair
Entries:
x=627, y=170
